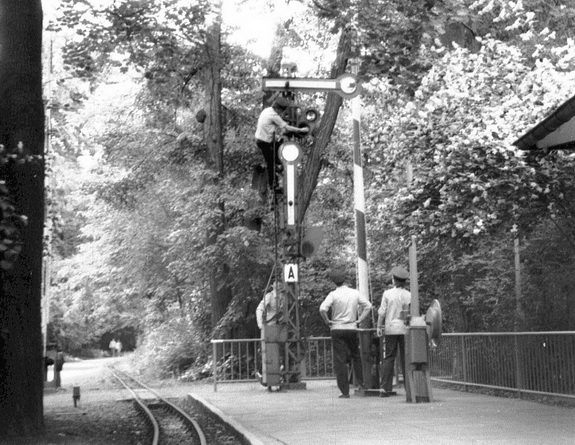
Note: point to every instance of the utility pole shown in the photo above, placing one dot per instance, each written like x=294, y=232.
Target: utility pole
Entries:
x=417, y=378
x=413, y=279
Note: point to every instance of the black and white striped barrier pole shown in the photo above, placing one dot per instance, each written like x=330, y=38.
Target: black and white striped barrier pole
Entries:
x=365, y=334
x=359, y=197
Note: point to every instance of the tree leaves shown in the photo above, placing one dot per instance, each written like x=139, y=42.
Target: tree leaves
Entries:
x=471, y=190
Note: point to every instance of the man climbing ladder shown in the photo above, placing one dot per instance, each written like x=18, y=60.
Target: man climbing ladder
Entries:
x=270, y=126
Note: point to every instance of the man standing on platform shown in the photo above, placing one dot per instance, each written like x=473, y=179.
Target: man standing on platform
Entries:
x=345, y=304
x=393, y=310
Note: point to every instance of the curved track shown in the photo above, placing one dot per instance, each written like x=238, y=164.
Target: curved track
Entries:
x=169, y=423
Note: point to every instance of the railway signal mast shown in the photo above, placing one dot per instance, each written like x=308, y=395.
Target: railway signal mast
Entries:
x=286, y=334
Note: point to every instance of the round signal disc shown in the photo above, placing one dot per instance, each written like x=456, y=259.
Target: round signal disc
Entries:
x=290, y=151
x=348, y=84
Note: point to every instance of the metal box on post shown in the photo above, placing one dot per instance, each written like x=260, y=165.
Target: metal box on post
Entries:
x=417, y=382
x=416, y=347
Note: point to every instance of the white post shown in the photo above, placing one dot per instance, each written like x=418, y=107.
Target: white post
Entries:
x=359, y=197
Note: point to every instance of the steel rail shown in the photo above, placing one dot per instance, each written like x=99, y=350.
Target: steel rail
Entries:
x=180, y=412
x=143, y=407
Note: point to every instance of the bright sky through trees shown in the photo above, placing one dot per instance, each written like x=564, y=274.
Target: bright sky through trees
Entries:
x=252, y=26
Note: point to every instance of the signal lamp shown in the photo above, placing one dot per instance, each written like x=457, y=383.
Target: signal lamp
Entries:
x=311, y=115
x=290, y=152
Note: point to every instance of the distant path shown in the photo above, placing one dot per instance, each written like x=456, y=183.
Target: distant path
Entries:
x=87, y=373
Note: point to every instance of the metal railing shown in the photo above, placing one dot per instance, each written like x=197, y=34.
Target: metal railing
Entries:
x=239, y=360
x=318, y=359
x=530, y=362
x=236, y=360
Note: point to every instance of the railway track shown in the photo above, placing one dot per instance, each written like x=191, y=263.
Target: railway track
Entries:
x=169, y=424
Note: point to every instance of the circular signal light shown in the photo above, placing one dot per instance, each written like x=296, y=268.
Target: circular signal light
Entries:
x=311, y=115
x=290, y=151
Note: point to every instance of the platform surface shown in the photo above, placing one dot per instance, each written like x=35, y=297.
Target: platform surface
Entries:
x=316, y=416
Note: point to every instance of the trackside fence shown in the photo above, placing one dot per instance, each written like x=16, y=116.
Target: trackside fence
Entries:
x=239, y=360
x=236, y=360
x=527, y=362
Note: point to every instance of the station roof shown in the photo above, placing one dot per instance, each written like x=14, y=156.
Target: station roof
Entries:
x=555, y=132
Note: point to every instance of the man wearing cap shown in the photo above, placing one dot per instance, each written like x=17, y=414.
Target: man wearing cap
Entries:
x=391, y=311
x=345, y=304
x=270, y=124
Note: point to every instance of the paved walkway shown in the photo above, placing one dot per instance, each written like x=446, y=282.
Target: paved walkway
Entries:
x=316, y=416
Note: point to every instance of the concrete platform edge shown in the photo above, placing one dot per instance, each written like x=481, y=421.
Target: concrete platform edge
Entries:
x=250, y=439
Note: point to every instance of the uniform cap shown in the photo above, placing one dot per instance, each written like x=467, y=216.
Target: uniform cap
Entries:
x=337, y=275
x=281, y=102
x=399, y=272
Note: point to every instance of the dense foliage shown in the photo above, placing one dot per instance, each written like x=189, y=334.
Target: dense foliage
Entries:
x=132, y=206
x=472, y=192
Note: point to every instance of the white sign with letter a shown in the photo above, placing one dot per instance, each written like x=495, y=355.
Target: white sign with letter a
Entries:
x=290, y=273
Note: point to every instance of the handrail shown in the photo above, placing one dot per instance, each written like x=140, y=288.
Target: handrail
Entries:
x=238, y=360
x=524, y=362
x=541, y=363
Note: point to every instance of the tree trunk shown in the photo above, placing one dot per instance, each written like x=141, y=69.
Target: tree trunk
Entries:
x=311, y=169
x=22, y=121
x=220, y=291
x=213, y=100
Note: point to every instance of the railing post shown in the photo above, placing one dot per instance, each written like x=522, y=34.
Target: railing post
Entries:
x=518, y=366
x=464, y=357
x=215, y=365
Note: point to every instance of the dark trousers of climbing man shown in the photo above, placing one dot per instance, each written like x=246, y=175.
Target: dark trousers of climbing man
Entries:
x=269, y=152
x=345, y=347
x=393, y=345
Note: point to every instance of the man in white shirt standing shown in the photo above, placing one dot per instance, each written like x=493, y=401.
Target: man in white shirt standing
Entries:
x=391, y=311
x=345, y=304
x=270, y=126
x=269, y=308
